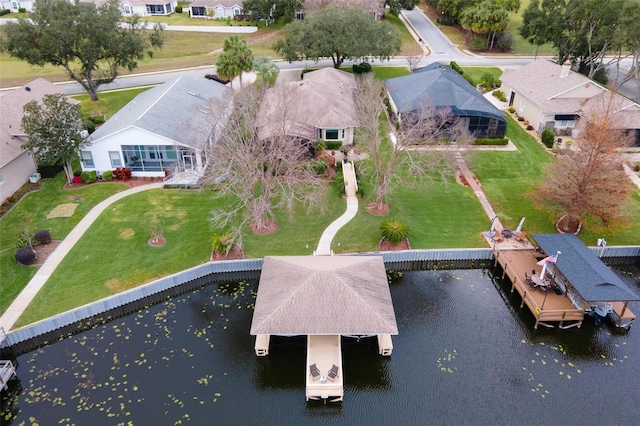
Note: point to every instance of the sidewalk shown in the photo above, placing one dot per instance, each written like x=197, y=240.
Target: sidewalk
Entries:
x=25, y=297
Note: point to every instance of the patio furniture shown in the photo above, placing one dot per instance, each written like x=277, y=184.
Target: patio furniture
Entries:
x=315, y=371
x=522, y=237
x=333, y=373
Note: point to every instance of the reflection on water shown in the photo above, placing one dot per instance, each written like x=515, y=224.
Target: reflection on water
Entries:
x=466, y=354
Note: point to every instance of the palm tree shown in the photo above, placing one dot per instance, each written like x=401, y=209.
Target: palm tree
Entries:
x=235, y=58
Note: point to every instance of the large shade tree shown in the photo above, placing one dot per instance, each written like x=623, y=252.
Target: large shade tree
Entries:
x=54, y=130
x=260, y=172
x=404, y=159
x=284, y=10
x=88, y=41
x=588, y=181
x=338, y=33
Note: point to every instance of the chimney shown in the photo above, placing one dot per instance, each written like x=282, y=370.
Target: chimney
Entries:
x=566, y=67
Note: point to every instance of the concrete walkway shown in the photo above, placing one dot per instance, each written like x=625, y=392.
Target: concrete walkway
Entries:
x=324, y=245
x=25, y=297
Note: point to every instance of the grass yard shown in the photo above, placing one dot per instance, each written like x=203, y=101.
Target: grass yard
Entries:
x=31, y=213
x=474, y=74
x=409, y=44
x=508, y=180
x=109, y=102
x=520, y=45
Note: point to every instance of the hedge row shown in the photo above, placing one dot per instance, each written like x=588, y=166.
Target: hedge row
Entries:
x=491, y=141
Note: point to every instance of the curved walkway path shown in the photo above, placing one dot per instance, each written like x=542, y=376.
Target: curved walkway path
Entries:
x=324, y=245
x=27, y=294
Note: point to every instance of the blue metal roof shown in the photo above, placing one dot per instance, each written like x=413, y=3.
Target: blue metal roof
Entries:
x=585, y=271
x=441, y=87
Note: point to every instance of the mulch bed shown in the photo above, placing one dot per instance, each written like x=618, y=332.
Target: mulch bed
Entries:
x=157, y=241
x=44, y=250
x=389, y=246
x=235, y=254
x=269, y=228
x=372, y=209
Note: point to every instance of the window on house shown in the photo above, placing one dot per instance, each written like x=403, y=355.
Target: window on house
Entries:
x=236, y=12
x=86, y=158
x=114, y=156
x=300, y=15
x=198, y=11
x=155, y=9
x=168, y=8
x=331, y=134
x=521, y=107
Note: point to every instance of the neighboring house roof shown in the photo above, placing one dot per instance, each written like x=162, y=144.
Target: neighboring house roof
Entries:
x=11, y=133
x=323, y=99
x=130, y=2
x=585, y=271
x=323, y=295
x=215, y=3
x=183, y=110
x=540, y=81
x=441, y=87
x=628, y=111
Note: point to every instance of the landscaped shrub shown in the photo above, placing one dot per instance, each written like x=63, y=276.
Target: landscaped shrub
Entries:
x=491, y=141
x=97, y=119
x=497, y=83
x=49, y=170
x=76, y=179
x=122, y=173
x=320, y=145
x=107, y=176
x=487, y=80
x=43, y=236
x=548, y=138
x=445, y=21
x=499, y=94
x=222, y=243
x=529, y=127
x=4, y=12
x=89, y=177
x=521, y=118
x=511, y=109
x=25, y=256
x=22, y=10
x=319, y=165
x=333, y=145
x=394, y=231
x=601, y=76
x=178, y=9
x=478, y=43
x=338, y=182
x=89, y=125
x=362, y=68
x=454, y=66
x=24, y=239
x=504, y=41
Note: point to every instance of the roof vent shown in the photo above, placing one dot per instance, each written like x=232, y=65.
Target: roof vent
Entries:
x=28, y=89
x=564, y=71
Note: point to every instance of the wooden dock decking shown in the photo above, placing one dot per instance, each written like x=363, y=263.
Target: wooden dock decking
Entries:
x=7, y=371
x=324, y=351
x=547, y=307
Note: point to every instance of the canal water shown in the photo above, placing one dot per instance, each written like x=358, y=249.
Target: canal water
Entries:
x=466, y=354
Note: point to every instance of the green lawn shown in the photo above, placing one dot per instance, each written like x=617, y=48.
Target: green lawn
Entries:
x=31, y=213
x=409, y=45
x=109, y=102
x=473, y=74
x=520, y=45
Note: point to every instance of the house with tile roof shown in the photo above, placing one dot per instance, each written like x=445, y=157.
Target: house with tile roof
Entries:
x=216, y=9
x=321, y=106
x=168, y=128
x=17, y=164
x=439, y=86
x=551, y=96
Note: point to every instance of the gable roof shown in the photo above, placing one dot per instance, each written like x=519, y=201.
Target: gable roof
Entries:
x=181, y=110
x=541, y=83
x=628, y=111
x=323, y=295
x=11, y=133
x=587, y=273
x=442, y=87
x=323, y=99
x=214, y=3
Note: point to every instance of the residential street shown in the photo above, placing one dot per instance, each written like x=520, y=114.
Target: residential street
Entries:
x=440, y=47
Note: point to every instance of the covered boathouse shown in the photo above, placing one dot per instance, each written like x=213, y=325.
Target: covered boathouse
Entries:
x=590, y=285
x=324, y=298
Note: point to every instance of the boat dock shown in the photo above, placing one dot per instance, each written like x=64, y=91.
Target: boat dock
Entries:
x=7, y=368
x=564, y=287
x=546, y=306
x=324, y=352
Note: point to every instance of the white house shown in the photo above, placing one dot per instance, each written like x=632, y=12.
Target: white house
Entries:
x=217, y=9
x=142, y=7
x=17, y=164
x=167, y=128
x=15, y=5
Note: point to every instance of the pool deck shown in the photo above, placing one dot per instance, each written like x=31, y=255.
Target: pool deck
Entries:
x=324, y=351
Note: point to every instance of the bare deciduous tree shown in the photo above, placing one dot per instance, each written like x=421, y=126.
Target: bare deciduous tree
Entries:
x=422, y=144
x=414, y=57
x=589, y=180
x=262, y=168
